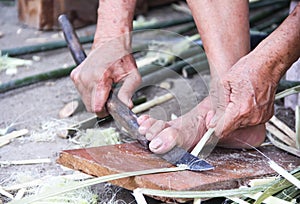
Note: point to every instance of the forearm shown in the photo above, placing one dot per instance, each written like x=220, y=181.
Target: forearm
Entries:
x=224, y=29
x=114, y=20
x=279, y=50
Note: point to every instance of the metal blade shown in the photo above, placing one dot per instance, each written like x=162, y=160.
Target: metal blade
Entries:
x=179, y=156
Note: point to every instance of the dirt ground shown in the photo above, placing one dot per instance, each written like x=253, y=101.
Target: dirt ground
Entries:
x=36, y=107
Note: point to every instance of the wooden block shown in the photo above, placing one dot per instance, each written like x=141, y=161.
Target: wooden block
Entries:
x=233, y=168
x=43, y=14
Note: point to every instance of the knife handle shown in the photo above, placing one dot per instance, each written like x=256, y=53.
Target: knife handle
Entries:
x=118, y=110
x=72, y=40
x=126, y=118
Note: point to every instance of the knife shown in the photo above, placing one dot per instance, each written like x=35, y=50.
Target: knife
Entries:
x=124, y=116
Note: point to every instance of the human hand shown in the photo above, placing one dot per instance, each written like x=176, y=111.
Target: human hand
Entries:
x=244, y=97
x=104, y=66
x=184, y=131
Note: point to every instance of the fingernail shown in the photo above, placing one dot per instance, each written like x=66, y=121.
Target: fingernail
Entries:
x=213, y=121
x=129, y=103
x=148, y=136
x=155, y=144
x=142, y=129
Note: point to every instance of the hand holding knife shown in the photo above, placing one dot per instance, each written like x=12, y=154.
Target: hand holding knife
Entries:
x=124, y=116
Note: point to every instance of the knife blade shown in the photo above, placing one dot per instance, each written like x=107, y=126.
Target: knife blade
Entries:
x=124, y=116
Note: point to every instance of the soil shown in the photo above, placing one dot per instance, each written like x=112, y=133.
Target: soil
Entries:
x=36, y=107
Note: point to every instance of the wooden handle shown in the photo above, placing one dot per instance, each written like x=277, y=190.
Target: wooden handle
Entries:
x=72, y=39
x=118, y=110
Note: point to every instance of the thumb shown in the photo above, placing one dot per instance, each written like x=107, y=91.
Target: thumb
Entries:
x=228, y=122
x=130, y=84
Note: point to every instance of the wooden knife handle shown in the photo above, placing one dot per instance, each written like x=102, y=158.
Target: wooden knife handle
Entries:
x=118, y=110
x=72, y=40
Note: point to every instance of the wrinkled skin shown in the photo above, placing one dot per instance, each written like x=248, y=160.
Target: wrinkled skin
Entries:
x=243, y=85
x=110, y=60
x=186, y=131
x=94, y=78
x=242, y=95
x=246, y=97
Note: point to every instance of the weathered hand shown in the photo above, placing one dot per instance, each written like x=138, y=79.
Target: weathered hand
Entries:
x=104, y=66
x=245, y=96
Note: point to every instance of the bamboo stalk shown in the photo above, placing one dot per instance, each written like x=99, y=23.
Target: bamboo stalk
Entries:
x=289, y=193
x=88, y=39
x=261, y=4
x=297, y=126
x=4, y=142
x=6, y=194
x=276, y=187
x=149, y=104
x=164, y=24
x=20, y=194
x=283, y=146
x=278, y=19
x=188, y=71
x=139, y=197
x=284, y=128
x=197, y=201
x=286, y=84
x=25, y=162
x=43, y=47
x=287, y=92
x=269, y=200
x=30, y=184
x=14, y=134
x=237, y=200
x=59, y=73
x=170, y=71
x=281, y=136
x=90, y=182
x=193, y=55
x=264, y=14
x=198, y=148
x=54, y=74
x=281, y=171
x=203, y=194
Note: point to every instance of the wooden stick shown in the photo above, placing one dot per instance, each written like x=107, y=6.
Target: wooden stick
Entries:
x=287, y=92
x=5, y=193
x=4, y=142
x=12, y=135
x=297, y=126
x=20, y=194
x=156, y=101
x=283, y=127
x=25, y=162
x=280, y=135
x=75, y=177
x=283, y=146
x=282, y=172
x=203, y=141
x=269, y=200
x=139, y=197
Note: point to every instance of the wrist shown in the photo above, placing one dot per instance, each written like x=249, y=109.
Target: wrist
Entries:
x=114, y=21
x=268, y=63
